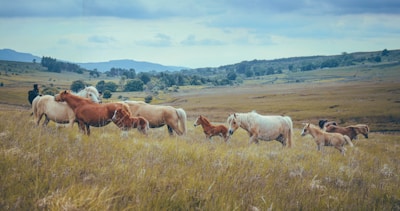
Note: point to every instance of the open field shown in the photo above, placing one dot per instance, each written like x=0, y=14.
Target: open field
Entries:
x=59, y=169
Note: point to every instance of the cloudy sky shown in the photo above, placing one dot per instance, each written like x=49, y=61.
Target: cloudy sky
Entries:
x=197, y=33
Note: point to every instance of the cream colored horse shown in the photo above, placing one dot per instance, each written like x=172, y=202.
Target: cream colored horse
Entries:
x=160, y=115
x=59, y=112
x=267, y=128
x=323, y=138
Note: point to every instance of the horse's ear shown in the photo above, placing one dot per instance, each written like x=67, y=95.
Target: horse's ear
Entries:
x=234, y=115
x=65, y=91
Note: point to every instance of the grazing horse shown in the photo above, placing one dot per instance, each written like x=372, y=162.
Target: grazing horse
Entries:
x=160, y=115
x=266, y=128
x=351, y=131
x=125, y=121
x=323, y=138
x=88, y=113
x=60, y=112
x=212, y=130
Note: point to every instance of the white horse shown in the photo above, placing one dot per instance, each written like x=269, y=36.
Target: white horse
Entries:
x=266, y=128
x=60, y=112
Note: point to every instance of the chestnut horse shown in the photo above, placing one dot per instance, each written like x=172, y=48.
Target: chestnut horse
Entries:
x=60, y=112
x=125, y=121
x=351, y=131
x=211, y=130
x=262, y=127
x=88, y=113
x=160, y=115
x=323, y=138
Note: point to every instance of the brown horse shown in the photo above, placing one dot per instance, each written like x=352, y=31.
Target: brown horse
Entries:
x=88, y=113
x=160, y=115
x=212, y=130
x=125, y=121
x=351, y=131
x=323, y=138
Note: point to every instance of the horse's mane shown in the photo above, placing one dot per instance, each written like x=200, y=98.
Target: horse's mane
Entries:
x=205, y=120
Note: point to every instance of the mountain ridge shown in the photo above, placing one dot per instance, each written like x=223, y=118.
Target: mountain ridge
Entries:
x=139, y=66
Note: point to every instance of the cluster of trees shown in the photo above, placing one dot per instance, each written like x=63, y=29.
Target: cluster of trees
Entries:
x=57, y=66
x=153, y=81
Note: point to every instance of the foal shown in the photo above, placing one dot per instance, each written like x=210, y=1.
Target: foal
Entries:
x=125, y=121
x=323, y=138
x=211, y=130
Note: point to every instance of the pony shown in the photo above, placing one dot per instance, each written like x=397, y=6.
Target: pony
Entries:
x=325, y=123
x=351, y=131
x=211, y=130
x=267, y=128
x=88, y=113
x=160, y=115
x=125, y=121
x=59, y=112
x=323, y=138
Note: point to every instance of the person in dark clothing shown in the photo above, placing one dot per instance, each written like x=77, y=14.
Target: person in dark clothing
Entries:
x=33, y=93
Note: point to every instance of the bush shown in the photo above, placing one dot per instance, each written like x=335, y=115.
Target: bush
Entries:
x=107, y=94
x=148, y=99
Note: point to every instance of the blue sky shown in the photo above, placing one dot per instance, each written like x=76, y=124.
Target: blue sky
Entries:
x=194, y=33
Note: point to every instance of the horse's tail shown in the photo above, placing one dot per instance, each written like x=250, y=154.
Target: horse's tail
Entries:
x=347, y=139
x=290, y=131
x=35, y=108
x=182, y=118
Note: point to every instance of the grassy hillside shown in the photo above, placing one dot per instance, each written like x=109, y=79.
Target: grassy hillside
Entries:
x=57, y=168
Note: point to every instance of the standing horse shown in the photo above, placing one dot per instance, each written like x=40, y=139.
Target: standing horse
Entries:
x=88, y=113
x=323, y=138
x=211, y=130
x=351, y=131
x=266, y=128
x=60, y=112
x=125, y=121
x=160, y=115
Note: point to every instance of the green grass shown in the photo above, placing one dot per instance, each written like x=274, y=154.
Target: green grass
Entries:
x=57, y=168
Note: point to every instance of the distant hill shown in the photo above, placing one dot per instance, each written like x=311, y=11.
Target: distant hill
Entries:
x=12, y=55
x=129, y=64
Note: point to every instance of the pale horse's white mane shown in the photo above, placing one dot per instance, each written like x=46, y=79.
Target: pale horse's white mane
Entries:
x=91, y=93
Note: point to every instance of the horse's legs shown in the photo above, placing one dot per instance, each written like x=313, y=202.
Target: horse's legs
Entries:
x=175, y=128
x=170, y=131
x=46, y=121
x=81, y=127
x=38, y=119
x=87, y=129
x=254, y=139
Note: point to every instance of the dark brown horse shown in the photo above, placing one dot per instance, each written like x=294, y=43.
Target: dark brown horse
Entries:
x=212, y=130
x=125, y=121
x=88, y=113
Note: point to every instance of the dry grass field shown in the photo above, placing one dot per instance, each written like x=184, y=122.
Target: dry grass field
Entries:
x=57, y=168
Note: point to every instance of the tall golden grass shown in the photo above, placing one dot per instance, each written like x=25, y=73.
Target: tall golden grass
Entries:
x=59, y=169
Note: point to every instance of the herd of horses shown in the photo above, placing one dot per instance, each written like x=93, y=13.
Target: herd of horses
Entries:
x=86, y=109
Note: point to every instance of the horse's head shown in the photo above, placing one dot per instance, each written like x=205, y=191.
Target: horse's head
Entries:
x=60, y=97
x=198, y=121
x=306, y=129
x=118, y=114
x=233, y=123
x=91, y=93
